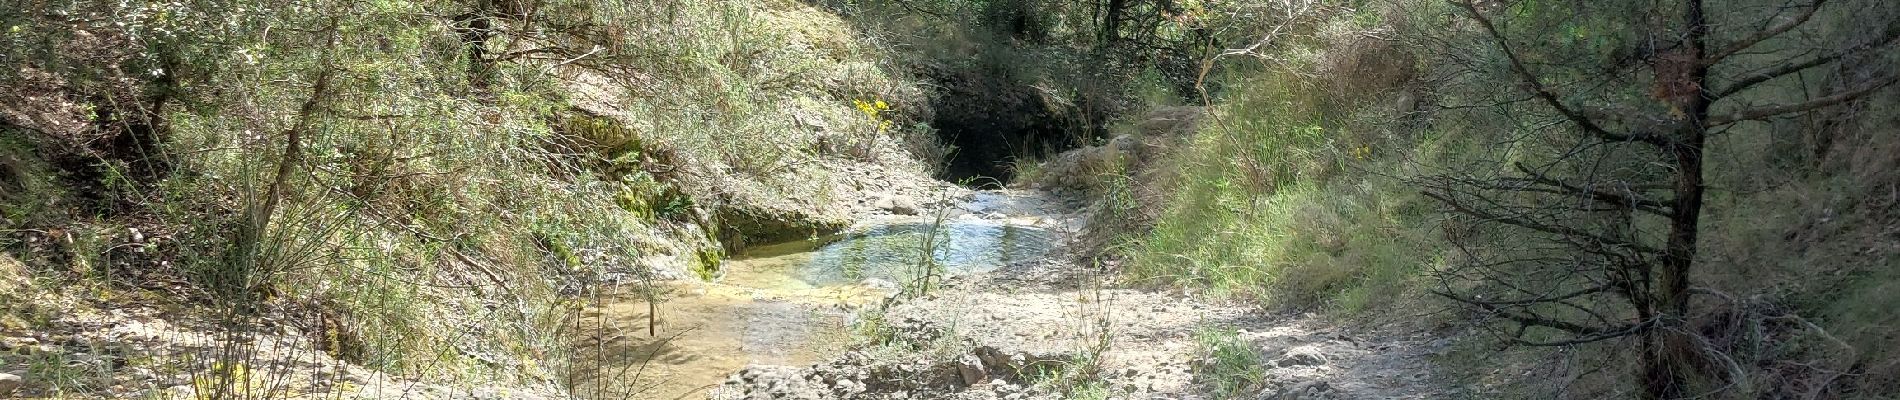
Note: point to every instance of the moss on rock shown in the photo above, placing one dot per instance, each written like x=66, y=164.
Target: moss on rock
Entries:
x=707, y=261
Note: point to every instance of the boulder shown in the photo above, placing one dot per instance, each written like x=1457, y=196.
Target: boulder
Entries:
x=744, y=225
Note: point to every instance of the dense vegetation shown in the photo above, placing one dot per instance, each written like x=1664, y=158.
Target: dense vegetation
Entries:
x=1635, y=199
x=1598, y=178
x=421, y=188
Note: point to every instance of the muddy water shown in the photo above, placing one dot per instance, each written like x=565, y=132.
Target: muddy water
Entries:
x=791, y=303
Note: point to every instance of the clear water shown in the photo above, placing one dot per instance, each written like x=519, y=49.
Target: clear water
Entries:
x=895, y=252
x=786, y=304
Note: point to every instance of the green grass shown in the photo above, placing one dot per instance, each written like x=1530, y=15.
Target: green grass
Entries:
x=1231, y=366
x=59, y=373
x=1284, y=199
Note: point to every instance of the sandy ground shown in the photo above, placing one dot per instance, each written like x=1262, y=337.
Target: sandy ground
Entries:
x=136, y=353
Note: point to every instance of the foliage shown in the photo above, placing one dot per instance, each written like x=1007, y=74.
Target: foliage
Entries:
x=452, y=173
x=1301, y=192
x=410, y=170
x=1594, y=234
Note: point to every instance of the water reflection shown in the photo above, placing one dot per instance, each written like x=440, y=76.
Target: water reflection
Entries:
x=894, y=252
x=789, y=303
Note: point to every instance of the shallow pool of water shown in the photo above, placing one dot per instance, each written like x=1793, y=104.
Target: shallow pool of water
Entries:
x=896, y=253
x=791, y=303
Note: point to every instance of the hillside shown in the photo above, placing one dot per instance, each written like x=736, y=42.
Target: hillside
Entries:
x=964, y=199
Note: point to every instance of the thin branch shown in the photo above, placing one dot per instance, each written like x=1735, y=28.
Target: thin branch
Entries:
x=373, y=117
x=1625, y=330
x=590, y=52
x=1550, y=298
x=1641, y=204
x=1550, y=98
x=1752, y=40
x=1771, y=111
x=1546, y=228
x=1887, y=38
x=528, y=52
x=1532, y=320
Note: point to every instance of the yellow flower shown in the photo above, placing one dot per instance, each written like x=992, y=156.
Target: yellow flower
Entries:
x=874, y=108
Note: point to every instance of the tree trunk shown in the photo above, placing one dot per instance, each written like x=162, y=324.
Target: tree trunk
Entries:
x=1112, y=21
x=1667, y=352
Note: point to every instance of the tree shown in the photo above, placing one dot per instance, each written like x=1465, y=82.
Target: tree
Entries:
x=1142, y=24
x=1590, y=234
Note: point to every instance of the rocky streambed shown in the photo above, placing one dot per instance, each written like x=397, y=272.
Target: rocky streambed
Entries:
x=797, y=303
x=1015, y=319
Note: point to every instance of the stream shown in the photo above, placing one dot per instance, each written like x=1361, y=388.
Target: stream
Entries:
x=793, y=303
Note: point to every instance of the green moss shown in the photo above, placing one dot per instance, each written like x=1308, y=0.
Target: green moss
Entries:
x=707, y=261
x=613, y=139
x=649, y=200
x=632, y=200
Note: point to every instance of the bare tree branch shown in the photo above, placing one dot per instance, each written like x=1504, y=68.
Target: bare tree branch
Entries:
x=1629, y=200
x=1889, y=37
x=1546, y=228
x=1544, y=93
x=1534, y=320
x=1752, y=40
x=1771, y=111
x=1553, y=298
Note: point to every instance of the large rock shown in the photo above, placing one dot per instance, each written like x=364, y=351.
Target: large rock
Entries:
x=1083, y=169
x=897, y=204
x=742, y=225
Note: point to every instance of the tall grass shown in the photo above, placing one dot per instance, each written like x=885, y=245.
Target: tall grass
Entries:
x=1283, y=197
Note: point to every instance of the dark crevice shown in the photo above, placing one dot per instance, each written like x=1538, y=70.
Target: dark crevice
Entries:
x=994, y=122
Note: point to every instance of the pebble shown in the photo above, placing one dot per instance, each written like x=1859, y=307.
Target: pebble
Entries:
x=18, y=342
x=10, y=383
x=1300, y=359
